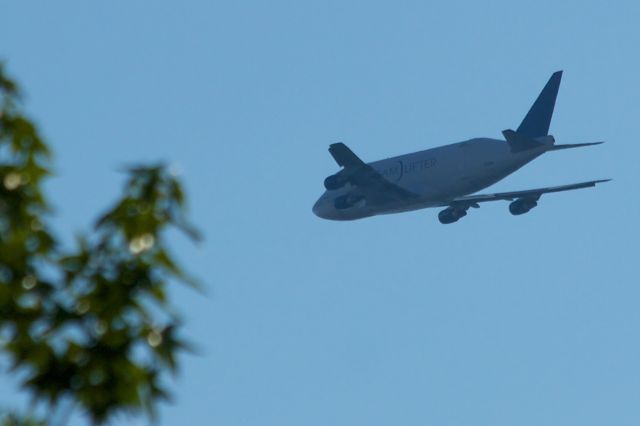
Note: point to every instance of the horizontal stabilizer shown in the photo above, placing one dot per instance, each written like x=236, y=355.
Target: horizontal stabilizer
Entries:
x=571, y=145
x=519, y=142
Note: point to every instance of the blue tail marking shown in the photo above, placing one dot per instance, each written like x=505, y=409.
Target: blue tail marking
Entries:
x=537, y=121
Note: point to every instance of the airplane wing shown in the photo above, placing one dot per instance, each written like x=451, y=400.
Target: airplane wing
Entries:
x=533, y=194
x=367, y=181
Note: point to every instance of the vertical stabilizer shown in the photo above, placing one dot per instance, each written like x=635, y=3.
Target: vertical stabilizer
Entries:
x=537, y=121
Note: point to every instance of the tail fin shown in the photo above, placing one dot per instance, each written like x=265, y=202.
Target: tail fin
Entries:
x=537, y=121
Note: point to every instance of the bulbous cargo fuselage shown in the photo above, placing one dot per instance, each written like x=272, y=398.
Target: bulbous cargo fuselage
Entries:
x=436, y=175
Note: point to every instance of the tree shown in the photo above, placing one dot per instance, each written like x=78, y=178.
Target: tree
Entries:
x=90, y=328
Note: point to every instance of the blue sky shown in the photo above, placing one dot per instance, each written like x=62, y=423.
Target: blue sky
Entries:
x=495, y=320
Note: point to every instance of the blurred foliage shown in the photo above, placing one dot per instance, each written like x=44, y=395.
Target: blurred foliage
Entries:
x=92, y=326
x=13, y=419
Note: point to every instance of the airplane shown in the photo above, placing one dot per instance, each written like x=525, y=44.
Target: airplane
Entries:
x=446, y=176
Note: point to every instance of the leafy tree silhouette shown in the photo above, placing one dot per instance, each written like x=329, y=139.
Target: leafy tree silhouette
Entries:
x=90, y=329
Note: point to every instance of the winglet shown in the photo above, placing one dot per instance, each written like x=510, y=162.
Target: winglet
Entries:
x=344, y=156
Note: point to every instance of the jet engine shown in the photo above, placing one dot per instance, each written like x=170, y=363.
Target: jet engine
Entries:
x=522, y=206
x=346, y=201
x=451, y=214
x=334, y=182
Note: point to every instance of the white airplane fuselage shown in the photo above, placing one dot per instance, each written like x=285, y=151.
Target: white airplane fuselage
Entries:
x=437, y=175
x=447, y=176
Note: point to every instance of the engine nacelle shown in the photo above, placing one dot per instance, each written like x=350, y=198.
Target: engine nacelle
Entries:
x=334, y=182
x=522, y=206
x=450, y=215
x=346, y=201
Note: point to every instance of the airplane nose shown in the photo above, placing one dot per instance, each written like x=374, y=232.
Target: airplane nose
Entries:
x=323, y=208
x=317, y=208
